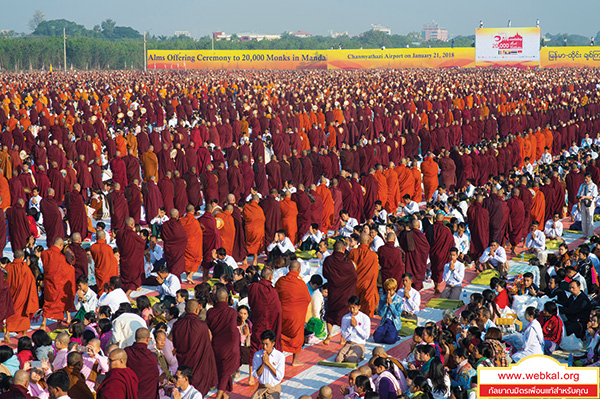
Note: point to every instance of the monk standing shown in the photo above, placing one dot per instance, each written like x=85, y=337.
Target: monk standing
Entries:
x=416, y=247
x=227, y=231
x=211, y=238
x=173, y=234
x=222, y=322
x=439, y=250
x=53, y=218
x=255, y=228
x=430, y=171
x=390, y=259
x=328, y=205
x=193, y=248
x=59, y=284
x=24, y=295
x=289, y=216
x=18, y=225
x=478, y=219
x=294, y=298
x=341, y=284
x=131, y=247
x=367, y=270
x=106, y=264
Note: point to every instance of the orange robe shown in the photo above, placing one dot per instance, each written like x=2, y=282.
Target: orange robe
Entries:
x=418, y=195
x=255, y=227
x=289, y=217
x=406, y=181
x=59, y=284
x=121, y=144
x=393, y=197
x=106, y=264
x=367, y=271
x=5, y=164
x=24, y=295
x=382, y=193
x=538, y=208
x=227, y=231
x=328, y=207
x=430, y=170
x=294, y=298
x=193, y=248
x=149, y=165
x=4, y=192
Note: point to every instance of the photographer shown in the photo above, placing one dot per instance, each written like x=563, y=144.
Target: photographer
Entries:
x=586, y=195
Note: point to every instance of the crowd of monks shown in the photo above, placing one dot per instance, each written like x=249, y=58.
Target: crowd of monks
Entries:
x=211, y=160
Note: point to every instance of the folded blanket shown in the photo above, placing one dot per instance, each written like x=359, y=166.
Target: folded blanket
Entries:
x=485, y=276
x=305, y=254
x=441, y=303
x=340, y=365
x=408, y=327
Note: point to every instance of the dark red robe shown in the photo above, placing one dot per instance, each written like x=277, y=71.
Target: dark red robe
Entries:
x=53, y=219
x=152, y=200
x=2, y=231
x=222, y=322
x=439, y=250
x=390, y=261
x=272, y=212
x=494, y=206
x=18, y=227
x=133, y=194
x=341, y=284
x=144, y=364
x=211, y=237
x=119, y=211
x=181, y=197
x=6, y=302
x=304, y=216
x=266, y=312
x=168, y=194
x=175, y=239
x=81, y=260
x=119, y=383
x=416, y=247
x=517, y=219
x=478, y=219
x=77, y=214
x=239, y=243
x=131, y=247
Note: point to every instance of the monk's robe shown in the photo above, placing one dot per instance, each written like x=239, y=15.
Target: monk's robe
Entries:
x=144, y=364
x=367, y=270
x=382, y=194
x=131, y=247
x=2, y=230
x=517, y=218
x=559, y=194
x=316, y=208
x=341, y=277
x=239, y=243
x=294, y=298
x=133, y=195
x=193, y=248
x=493, y=204
x=390, y=262
x=328, y=207
x=336, y=194
x=5, y=192
x=81, y=260
x=149, y=165
x=439, y=250
x=538, y=208
x=266, y=312
x=7, y=309
x=106, y=264
x=181, y=197
x=152, y=200
x=548, y=192
x=222, y=322
x=119, y=211
x=227, y=231
x=77, y=214
x=289, y=218
x=272, y=213
x=53, y=219
x=18, y=227
x=416, y=248
x=254, y=218
x=303, y=204
x=24, y=295
x=59, y=284
x=118, y=383
x=418, y=190
x=478, y=220
x=430, y=170
x=406, y=181
x=175, y=241
x=393, y=197
x=191, y=340
x=211, y=237
x=167, y=192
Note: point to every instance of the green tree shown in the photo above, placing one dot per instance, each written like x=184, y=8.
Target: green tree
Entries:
x=36, y=20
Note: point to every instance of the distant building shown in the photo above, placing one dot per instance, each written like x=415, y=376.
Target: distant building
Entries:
x=218, y=36
x=301, y=34
x=183, y=33
x=432, y=31
x=381, y=28
x=254, y=36
x=337, y=34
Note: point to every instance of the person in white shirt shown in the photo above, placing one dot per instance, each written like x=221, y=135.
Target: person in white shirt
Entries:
x=253, y=192
x=546, y=156
x=377, y=240
x=454, y=273
x=356, y=328
x=84, y=297
x=280, y=246
x=58, y=385
x=574, y=149
x=155, y=251
x=410, y=206
x=183, y=388
x=553, y=229
x=169, y=284
x=440, y=195
x=268, y=366
x=412, y=297
x=347, y=224
x=494, y=257
x=312, y=238
x=470, y=190
x=34, y=201
x=115, y=296
x=158, y=220
x=535, y=243
x=462, y=243
x=528, y=167
x=587, y=194
x=379, y=214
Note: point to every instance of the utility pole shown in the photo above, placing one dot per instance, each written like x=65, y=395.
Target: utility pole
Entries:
x=145, y=55
x=65, y=47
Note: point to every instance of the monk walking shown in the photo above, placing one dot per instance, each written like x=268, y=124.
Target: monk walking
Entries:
x=59, y=284
x=193, y=248
x=131, y=247
x=106, y=264
x=440, y=244
x=24, y=295
x=255, y=228
x=367, y=270
x=211, y=238
x=294, y=298
x=173, y=234
x=289, y=216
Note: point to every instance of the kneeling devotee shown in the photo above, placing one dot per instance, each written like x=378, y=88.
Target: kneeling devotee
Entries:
x=356, y=328
x=268, y=367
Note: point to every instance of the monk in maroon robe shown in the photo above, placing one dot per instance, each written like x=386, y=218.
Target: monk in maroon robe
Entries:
x=441, y=242
x=304, y=218
x=144, y=364
x=478, y=219
x=2, y=231
x=120, y=381
x=574, y=180
x=416, y=247
x=210, y=185
x=493, y=204
x=191, y=339
x=81, y=260
x=53, y=218
x=517, y=218
x=239, y=252
x=316, y=206
x=77, y=212
x=527, y=198
x=7, y=308
x=272, y=212
x=167, y=191
x=390, y=260
x=181, y=197
x=119, y=170
x=131, y=247
x=133, y=195
x=119, y=211
x=18, y=225
x=341, y=284
x=211, y=238
x=173, y=234
x=222, y=322
x=152, y=199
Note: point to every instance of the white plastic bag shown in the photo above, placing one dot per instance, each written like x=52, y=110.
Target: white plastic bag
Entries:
x=571, y=343
x=515, y=339
x=522, y=302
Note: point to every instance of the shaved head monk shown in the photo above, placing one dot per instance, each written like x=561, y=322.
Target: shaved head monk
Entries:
x=131, y=247
x=23, y=291
x=294, y=297
x=175, y=239
x=193, y=248
x=255, y=228
x=120, y=381
x=106, y=264
x=144, y=364
x=367, y=270
x=59, y=284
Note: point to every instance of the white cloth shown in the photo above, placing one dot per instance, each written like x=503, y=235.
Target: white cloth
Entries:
x=454, y=278
x=377, y=243
x=441, y=395
x=359, y=333
x=124, y=328
x=462, y=243
x=536, y=240
x=113, y=299
x=498, y=258
x=413, y=303
x=189, y=393
x=284, y=246
x=533, y=341
x=553, y=231
x=277, y=360
x=411, y=208
x=546, y=158
x=170, y=286
x=347, y=229
x=588, y=190
x=314, y=238
x=89, y=302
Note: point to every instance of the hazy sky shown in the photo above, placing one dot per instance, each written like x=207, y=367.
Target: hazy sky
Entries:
x=200, y=17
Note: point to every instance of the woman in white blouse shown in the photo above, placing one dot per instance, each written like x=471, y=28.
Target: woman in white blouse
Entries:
x=533, y=338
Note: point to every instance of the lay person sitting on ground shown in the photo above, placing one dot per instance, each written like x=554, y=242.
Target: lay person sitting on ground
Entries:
x=356, y=328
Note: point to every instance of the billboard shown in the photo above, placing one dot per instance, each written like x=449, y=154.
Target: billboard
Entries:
x=507, y=47
x=559, y=57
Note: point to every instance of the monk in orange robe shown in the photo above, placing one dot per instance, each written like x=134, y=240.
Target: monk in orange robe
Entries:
x=382, y=194
x=418, y=195
x=367, y=271
x=59, y=284
x=121, y=143
x=5, y=163
x=106, y=264
x=228, y=228
x=24, y=295
x=328, y=206
x=406, y=180
x=294, y=298
x=149, y=162
x=254, y=217
x=538, y=206
x=430, y=170
x=289, y=216
x=4, y=192
x=393, y=198
x=193, y=248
